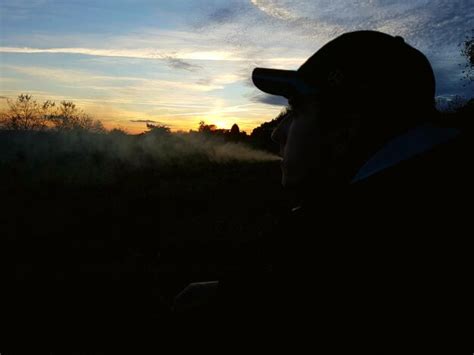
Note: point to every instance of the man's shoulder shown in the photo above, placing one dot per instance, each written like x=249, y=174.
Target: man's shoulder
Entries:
x=442, y=166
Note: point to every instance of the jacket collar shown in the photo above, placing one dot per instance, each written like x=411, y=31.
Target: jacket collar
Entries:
x=406, y=146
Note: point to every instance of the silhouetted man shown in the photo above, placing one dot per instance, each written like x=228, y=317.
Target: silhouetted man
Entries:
x=374, y=254
x=375, y=248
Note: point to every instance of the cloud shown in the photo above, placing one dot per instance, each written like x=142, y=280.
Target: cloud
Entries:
x=221, y=80
x=424, y=22
x=60, y=75
x=226, y=14
x=269, y=99
x=140, y=53
x=149, y=121
x=296, y=29
x=419, y=20
x=177, y=63
x=111, y=83
x=214, y=49
x=274, y=9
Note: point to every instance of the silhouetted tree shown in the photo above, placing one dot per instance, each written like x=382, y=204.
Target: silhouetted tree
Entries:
x=68, y=117
x=261, y=136
x=458, y=111
x=204, y=128
x=235, y=135
x=117, y=132
x=157, y=129
x=454, y=104
x=25, y=113
x=467, y=50
x=235, y=130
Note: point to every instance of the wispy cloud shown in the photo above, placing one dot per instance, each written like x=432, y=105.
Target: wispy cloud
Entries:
x=106, y=82
x=274, y=9
x=283, y=28
x=211, y=51
x=424, y=22
x=140, y=53
x=180, y=64
x=116, y=99
x=148, y=121
x=268, y=99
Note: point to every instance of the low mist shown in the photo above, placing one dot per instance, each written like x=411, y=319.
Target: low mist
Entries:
x=84, y=157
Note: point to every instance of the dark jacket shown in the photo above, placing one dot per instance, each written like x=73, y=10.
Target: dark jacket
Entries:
x=385, y=257
x=388, y=254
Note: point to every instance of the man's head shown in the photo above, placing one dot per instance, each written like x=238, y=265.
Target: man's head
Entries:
x=353, y=93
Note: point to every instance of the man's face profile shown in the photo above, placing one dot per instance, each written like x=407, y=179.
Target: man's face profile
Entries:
x=332, y=126
x=299, y=138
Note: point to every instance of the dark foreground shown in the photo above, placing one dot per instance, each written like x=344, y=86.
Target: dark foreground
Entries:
x=113, y=253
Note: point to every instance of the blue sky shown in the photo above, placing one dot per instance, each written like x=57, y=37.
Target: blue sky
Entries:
x=179, y=62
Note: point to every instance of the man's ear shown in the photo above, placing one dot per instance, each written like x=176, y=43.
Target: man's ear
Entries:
x=346, y=146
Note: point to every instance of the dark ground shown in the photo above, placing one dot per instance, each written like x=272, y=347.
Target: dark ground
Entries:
x=114, y=253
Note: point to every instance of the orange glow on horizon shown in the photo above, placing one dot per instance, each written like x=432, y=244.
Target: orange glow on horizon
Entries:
x=136, y=128
x=135, y=122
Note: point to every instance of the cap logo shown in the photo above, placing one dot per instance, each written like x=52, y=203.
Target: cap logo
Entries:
x=335, y=78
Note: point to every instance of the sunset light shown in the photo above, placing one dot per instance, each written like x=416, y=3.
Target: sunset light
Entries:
x=181, y=62
x=163, y=161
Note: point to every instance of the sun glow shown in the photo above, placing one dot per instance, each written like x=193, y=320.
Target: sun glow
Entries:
x=222, y=124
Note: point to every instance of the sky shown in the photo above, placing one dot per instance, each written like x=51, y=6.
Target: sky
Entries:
x=128, y=62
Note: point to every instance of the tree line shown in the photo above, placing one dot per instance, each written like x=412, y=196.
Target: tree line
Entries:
x=26, y=114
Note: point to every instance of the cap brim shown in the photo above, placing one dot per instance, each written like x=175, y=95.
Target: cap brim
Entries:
x=280, y=82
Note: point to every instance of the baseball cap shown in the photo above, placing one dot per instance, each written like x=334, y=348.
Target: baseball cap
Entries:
x=356, y=63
